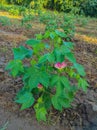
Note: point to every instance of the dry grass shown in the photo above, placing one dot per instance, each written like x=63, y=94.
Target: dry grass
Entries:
x=88, y=33
x=9, y=15
x=86, y=38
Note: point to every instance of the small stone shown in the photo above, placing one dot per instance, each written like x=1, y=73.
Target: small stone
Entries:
x=1, y=70
x=94, y=107
x=64, y=114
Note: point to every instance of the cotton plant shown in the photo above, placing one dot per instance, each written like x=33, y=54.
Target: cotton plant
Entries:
x=47, y=80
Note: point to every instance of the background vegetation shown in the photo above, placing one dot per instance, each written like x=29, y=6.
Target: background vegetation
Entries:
x=87, y=7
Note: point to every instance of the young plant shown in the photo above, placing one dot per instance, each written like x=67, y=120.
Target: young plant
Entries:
x=65, y=22
x=68, y=26
x=26, y=21
x=5, y=21
x=53, y=75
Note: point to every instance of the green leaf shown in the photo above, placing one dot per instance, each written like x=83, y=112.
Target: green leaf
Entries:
x=70, y=57
x=65, y=82
x=47, y=100
x=34, y=76
x=80, y=69
x=61, y=34
x=40, y=112
x=56, y=103
x=69, y=94
x=37, y=49
x=59, y=102
x=51, y=58
x=33, y=62
x=21, y=92
x=47, y=34
x=70, y=71
x=52, y=35
x=33, y=81
x=21, y=53
x=54, y=80
x=43, y=58
x=61, y=98
x=33, y=42
x=15, y=66
x=47, y=57
x=64, y=50
x=82, y=83
x=60, y=80
x=65, y=102
x=44, y=78
x=26, y=100
x=58, y=55
x=68, y=44
x=39, y=36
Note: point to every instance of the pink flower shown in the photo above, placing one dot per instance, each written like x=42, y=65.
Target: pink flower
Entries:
x=59, y=65
x=40, y=86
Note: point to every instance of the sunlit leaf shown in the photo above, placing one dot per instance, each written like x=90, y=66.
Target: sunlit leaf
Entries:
x=15, y=66
x=33, y=42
